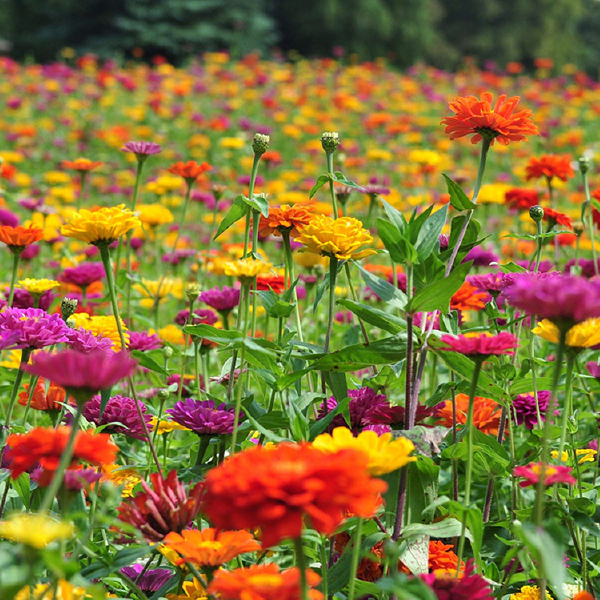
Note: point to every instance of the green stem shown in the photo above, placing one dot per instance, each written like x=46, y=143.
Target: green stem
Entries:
x=301, y=564
x=355, y=299
x=204, y=442
x=13, y=280
x=333, y=264
x=329, y=156
x=289, y=263
x=253, y=173
x=355, y=559
x=82, y=178
x=324, y=574
x=590, y=218
x=15, y=389
x=568, y=405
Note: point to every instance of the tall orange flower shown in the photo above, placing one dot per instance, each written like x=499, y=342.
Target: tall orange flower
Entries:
x=277, y=488
x=190, y=170
x=442, y=557
x=550, y=166
x=486, y=413
x=82, y=165
x=17, y=238
x=500, y=122
x=210, y=547
x=44, y=447
x=468, y=297
x=285, y=219
x=263, y=582
x=42, y=399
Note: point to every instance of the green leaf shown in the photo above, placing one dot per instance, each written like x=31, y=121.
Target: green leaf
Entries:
x=258, y=202
x=238, y=210
x=219, y=336
x=122, y=558
x=395, y=216
x=525, y=385
x=429, y=234
x=275, y=307
x=147, y=361
x=321, y=181
x=447, y=528
x=321, y=425
x=339, y=177
x=104, y=398
x=437, y=295
x=22, y=485
x=375, y=316
x=458, y=199
x=399, y=247
x=384, y=289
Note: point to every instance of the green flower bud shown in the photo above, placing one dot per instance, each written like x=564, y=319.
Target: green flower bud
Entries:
x=163, y=394
x=192, y=291
x=67, y=307
x=536, y=213
x=260, y=143
x=167, y=351
x=584, y=164
x=330, y=140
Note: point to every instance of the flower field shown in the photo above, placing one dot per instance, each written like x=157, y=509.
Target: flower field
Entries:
x=298, y=330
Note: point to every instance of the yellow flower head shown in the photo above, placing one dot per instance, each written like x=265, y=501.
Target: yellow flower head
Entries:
x=102, y=226
x=154, y=215
x=343, y=238
x=36, y=287
x=159, y=289
x=385, y=454
x=582, y=335
x=193, y=590
x=583, y=454
x=171, y=333
x=45, y=591
x=530, y=592
x=246, y=268
x=101, y=326
x=166, y=426
x=125, y=478
x=36, y=530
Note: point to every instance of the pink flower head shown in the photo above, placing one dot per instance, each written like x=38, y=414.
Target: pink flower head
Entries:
x=37, y=328
x=481, y=344
x=142, y=149
x=82, y=375
x=552, y=474
x=470, y=586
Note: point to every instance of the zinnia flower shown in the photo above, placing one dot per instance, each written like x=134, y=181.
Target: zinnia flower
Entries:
x=554, y=217
x=285, y=219
x=45, y=447
x=276, y=488
x=222, y=299
x=190, y=171
x=150, y=580
x=583, y=335
x=263, y=582
x=166, y=506
x=477, y=117
x=35, y=529
x=120, y=416
x=529, y=592
x=384, y=454
x=486, y=413
x=36, y=287
x=82, y=165
x=210, y=547
x=468, y=297
x=202, y=417
x=552, y=474
x=42, y=399
x=17, y=238
x=142, y=150
x=549, y=166
x=246, y=268
x=521, y=199
x=37, y=328
x=342, y=238
x=481, y=345
x=84, y=274
x=526, y=410
x=471, y=586
x=102, y=226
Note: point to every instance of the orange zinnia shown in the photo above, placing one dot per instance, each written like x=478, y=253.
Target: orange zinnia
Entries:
x=81, y=164
x=285, y=219
x=42, y=400
x=442, y=557
x=555, y=217
x=19, y=236
x=502, y=123
x=263, y=582
x=468, y=297
x=550, y=166
x=45, y=447
x=190, y=170
x=486, y=416
x=210, y=547
x=277, y=488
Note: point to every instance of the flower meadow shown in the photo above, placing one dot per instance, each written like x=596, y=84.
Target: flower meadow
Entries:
x=304, y=330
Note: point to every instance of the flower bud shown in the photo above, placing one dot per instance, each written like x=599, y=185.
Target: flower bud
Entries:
x=330, y=140
x=260, y=143
x=192, y=291
x=578, y=227
x=584, y=164
x=163, y=394
x=67, y=307
x=167, y=351
x=536, y=213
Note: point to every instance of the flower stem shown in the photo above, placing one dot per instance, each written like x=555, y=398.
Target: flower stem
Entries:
x=355, y=299
x=15, y=389
x=329, y=156
x=590, y=218
x=568, y=404
x=355, y=558
x=301, y=563
x=289, y=263
x=13, y=280
x=333, y=264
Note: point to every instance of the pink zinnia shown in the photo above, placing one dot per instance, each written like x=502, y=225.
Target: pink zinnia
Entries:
x=470, y=586
x=552, y=474
x=481, y=344
x=82, y=375
x=142, y=149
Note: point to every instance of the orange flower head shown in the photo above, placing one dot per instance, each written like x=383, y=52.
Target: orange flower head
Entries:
x=285, y=219
x=557, y=218
x=83, y=165
x=443, y=558
x=500, y=122
x=263, y=582
x=210, y=547
x=549, y=166
x=42, y=399
x=44, y=447
x=277, y=488
x=369, y=568
x=190, y=170
x=486, y=414
x=468, y=297
x=17, y=238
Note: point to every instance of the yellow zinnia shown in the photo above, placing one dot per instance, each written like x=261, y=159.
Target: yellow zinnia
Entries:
x=385, y=454
x=342, y=238
x=193, y=591
x=154, y=215
x=530, y=592
x=36, y=287
x=102, y=226
x=45, y=591
x=246, y=268
x=36, y=530
x=582, y=335
x=125, y=478
x=583, y=454
x=101, y=326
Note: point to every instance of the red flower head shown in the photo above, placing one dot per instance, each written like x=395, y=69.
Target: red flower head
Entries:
x=549, y=166
x=83, y=165
x=468, y=297
x=190, y=170
x=162, y=508
x=552, y=474
x=277, y=488
x=263, y=582
x=17, y=238
x=521, y=199
x=42, y=399
x=477, y=117
x=276, y=283
x=486, y=413
x=555, y=217
x=44, y=447
x=481, y=344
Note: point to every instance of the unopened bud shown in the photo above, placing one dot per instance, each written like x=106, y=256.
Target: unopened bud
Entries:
x=578, y=227
x=67, y=307
x=167, y=351
x=330, y=140
x=584, y=164
x=536, y=213
x=192, y=291
x=163, y=394
x=260, y=143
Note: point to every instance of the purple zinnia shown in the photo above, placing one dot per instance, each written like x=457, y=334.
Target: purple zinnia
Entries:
x=38, y=329
x=8, y=218
x=142, y=149
x=143, y=341
x=75, y=479
x=587, y=267
x=223, y=299
x=23, y=299
x=84, y=274
x=85, y=341
x=203, y=417
x=201, y=315
x=525, y=409
x=492, y=283
x=151, y=581
x=559, y=298
x=119, y=409
x=481, y=257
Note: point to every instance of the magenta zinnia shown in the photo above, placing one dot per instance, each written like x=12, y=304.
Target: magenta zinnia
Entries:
x=481, y=344
x=552, y=474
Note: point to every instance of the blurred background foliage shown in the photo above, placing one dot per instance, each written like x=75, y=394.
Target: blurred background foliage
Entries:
x=439, y=32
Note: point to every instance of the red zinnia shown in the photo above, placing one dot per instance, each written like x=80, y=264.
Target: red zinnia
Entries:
x=275, y=283
x=502, y=123
x=190, y=170
x=468, y=297
x=481, y=344
x=276, y=488
x=521, y=199
x=549, y=166
x=555, y=217
x=552, y=474
x=470, y=586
